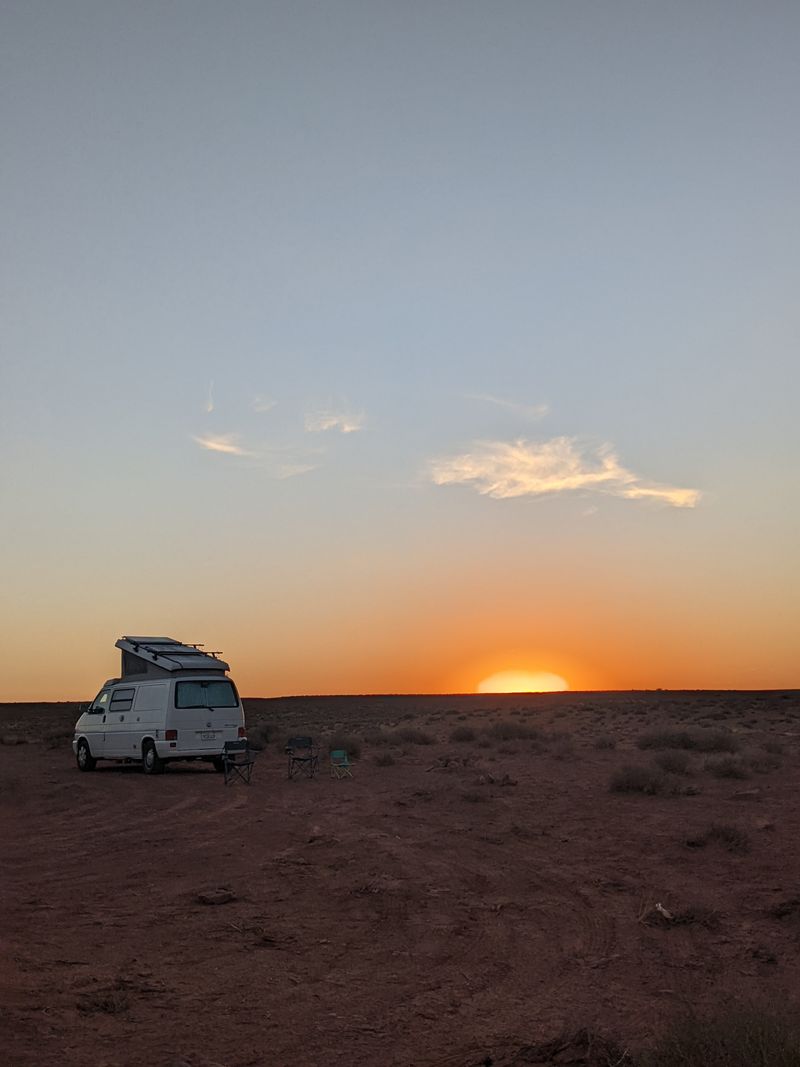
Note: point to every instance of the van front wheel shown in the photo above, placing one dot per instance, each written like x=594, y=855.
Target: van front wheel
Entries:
x=86, y=761
x=151, y=761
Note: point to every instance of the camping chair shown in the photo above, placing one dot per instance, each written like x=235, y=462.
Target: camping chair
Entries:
x=303, y=758
x=237, y=761
x=340, y=764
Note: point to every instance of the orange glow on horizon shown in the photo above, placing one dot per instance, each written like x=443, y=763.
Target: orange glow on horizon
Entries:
x=523, y=682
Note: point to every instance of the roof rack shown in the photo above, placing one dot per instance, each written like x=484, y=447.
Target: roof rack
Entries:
x=166, y=654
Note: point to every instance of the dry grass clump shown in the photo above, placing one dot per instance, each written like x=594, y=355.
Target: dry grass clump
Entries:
x=605, y=742
x=412, y=735
x=463, y=733
x=563, y=747
x=511, y=731
x=785, y=909
x=260, y=735
x=773, y=746
x=107, y=1002
x=673, y=761
x=699, y=740
x=648, y=780
x=385, y=759
x=732, y=838
x=694, y=915
x=58, y=738
x=11, y=788
x=698, y=915
x=727, y=767
x=764, y=762
x=380, y=737
x=736, y=1036
x=581, y=1046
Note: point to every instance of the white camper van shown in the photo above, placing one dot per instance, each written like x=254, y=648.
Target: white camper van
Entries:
x=172, y=702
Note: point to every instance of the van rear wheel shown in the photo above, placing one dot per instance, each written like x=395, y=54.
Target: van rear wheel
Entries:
x=219, y=764
x=86, y=761
x=151, y=761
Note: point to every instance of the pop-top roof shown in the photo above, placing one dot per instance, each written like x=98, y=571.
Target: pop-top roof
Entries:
x=172, y=655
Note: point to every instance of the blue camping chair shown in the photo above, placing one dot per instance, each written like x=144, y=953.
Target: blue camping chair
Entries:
x=340, y=764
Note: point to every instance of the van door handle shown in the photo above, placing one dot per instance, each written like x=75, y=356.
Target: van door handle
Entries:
x=104, y=718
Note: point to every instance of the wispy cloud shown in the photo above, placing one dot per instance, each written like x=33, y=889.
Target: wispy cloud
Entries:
x=503, y=469
x=530, y=411
x=224, y=442
x=276, y=461
x=210, y=398
x=320, y=421
x=263, y=403
x=292, y=470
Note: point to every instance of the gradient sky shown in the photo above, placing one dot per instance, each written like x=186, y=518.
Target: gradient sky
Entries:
x=384, y=346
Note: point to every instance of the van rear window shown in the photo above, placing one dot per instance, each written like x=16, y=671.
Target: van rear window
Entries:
x=205, y=695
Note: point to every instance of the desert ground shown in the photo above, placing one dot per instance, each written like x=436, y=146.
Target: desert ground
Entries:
x=505, y=880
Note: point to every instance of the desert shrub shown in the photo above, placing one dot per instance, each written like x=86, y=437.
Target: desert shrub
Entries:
x=511, y=731
x=785, y=909
x=773, y=746
x=698, y=915
x=107, y=1002
x=736, y=1036
x=763, y=762
x=58, y=738
x=699, y=740
x=715, y=741
x=385, y=759
x=727, y=767
x=412, y=735
x=350, y=744
x=380, y=737
x=673, y=761
x=730, y=837
x=581, y=1046
x=664, y=739
x=10, y=788
x=634, y=779
x=260, y=735
x=606, y=742
x=462, y=733
x=695, y=915
x=563, y=747
x=474, y=797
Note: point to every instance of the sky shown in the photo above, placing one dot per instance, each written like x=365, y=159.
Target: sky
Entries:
x=384, y=346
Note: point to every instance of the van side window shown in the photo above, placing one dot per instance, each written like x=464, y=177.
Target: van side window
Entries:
x=100, y=702
x=121, y=699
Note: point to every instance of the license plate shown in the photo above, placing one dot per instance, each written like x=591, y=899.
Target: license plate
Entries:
x=208, y=737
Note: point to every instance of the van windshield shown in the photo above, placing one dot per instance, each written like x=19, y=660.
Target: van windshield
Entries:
x=205, y=695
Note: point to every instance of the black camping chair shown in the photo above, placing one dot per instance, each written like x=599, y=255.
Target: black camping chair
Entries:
x=303, y=757
x=237, y=761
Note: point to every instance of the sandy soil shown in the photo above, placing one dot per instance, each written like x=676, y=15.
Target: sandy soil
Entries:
x=451, y=908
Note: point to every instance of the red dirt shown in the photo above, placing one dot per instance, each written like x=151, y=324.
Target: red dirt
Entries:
x=420, y=913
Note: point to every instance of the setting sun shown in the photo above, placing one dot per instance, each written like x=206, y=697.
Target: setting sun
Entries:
x=523, y=682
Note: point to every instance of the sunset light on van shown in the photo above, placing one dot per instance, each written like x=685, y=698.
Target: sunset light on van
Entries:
x=523, y=682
